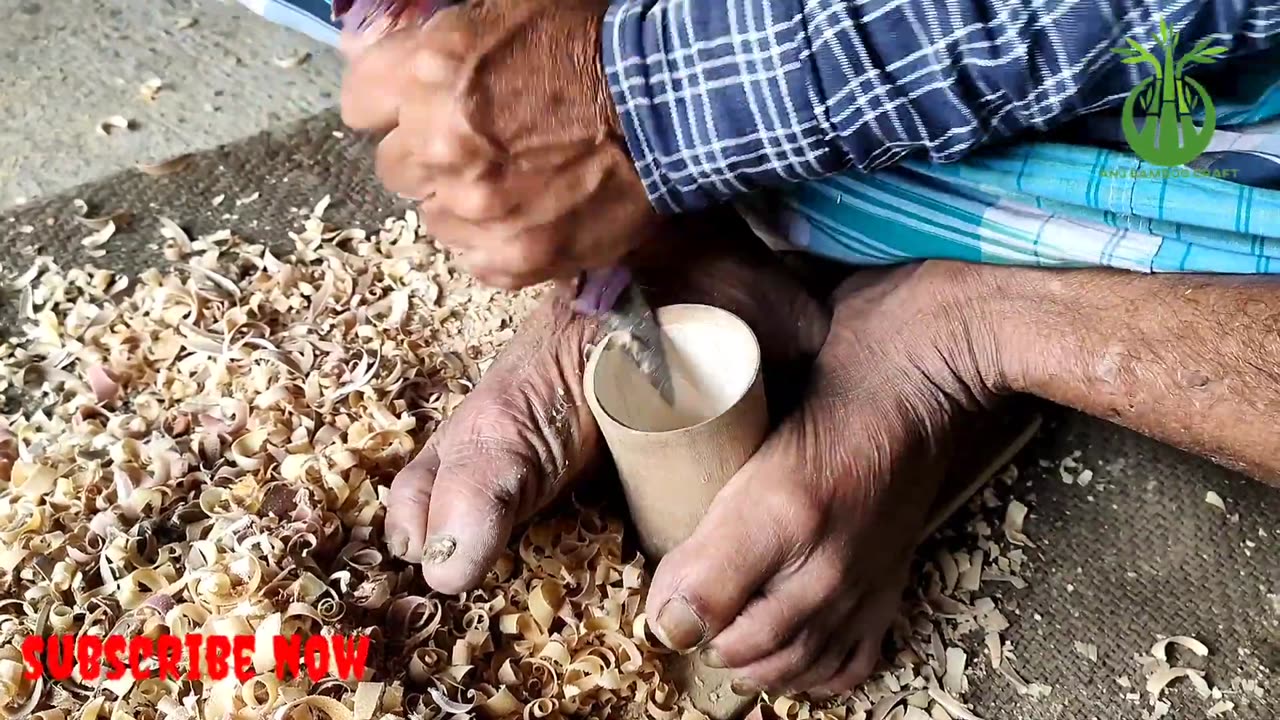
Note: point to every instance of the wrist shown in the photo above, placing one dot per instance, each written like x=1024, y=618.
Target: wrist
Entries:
x=980, y=324
x=597, y=81
x=1001, y=310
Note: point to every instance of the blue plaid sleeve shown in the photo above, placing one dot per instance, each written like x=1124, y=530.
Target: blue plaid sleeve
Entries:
x=722, y=98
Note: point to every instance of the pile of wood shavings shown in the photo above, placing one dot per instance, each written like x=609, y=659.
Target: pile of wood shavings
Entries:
x=208, y=452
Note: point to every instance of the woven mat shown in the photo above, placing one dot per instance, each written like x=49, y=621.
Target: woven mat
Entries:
x=1135, y=555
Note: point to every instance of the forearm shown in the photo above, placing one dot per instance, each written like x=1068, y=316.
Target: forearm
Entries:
x=1189, y=360
x=717, y=98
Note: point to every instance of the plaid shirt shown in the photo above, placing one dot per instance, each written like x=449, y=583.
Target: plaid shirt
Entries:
x=721, y=98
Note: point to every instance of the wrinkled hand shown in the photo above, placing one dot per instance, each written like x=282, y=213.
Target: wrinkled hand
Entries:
x=796, y=572
x=526, y=433
x=498, y=119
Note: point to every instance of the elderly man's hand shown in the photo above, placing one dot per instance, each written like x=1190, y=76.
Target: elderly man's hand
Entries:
x=797, y=570
x=497, y=117
x=526, y=432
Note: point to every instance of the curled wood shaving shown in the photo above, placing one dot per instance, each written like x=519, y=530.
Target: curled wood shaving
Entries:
x=292, y=61
x=1162, y=677
x=1015, y=516
x=100, y=237
x=1160, y=651
x=114, y=123
x=98, y=223
x=1022, y=687
x=150, y=89
x=953, y=707
x=166, y=167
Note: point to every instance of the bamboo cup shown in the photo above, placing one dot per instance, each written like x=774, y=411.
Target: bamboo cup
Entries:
x=673, y=459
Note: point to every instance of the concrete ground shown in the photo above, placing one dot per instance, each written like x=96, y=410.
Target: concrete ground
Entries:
x=68, y=64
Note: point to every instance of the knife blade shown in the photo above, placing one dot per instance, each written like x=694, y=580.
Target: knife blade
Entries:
x=622, y=306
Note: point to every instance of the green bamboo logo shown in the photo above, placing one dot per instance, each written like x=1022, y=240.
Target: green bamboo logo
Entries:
x=1168, y=138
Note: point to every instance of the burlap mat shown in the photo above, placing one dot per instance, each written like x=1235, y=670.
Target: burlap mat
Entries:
x=1135, y=555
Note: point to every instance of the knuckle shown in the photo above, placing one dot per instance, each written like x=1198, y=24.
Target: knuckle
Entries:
x=829, y=576
x=853, y=674
x=801, y=511
x=480, y=201
x=774, y=636
x=789, y=662
x=410, y=491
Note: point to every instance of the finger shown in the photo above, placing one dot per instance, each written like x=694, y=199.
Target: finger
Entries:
x=476, y=201
x=859, y=665
x=767, y=635
x=818, y=649
x=869, y=627
x=701, y=586
x=439, y=135
x=496, y=253
x=474, y=502
x=409, y=502
x=377, y=81
x=380, y=77
x=398, y=170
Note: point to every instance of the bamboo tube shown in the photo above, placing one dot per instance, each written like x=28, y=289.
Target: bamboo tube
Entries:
x=673, y=459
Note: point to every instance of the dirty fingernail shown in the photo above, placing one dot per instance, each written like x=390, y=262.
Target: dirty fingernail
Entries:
x=712, y=659
x=679, y=627
x=397, y=544
x=438, y=549
x=745, y=688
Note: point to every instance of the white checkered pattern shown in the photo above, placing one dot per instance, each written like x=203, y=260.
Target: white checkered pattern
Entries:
x=722, y=97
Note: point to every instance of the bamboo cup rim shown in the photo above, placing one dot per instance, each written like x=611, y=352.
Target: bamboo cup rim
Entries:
x=743, y=359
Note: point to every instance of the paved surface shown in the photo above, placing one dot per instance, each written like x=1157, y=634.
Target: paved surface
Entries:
x=70, y=63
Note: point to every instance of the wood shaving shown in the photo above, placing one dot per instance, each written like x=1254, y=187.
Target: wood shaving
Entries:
x=1160, y=651
x=1221, y=708
x=184, y=23
x=1088, y=651
x=1161, y=678
x=166, y=167
x=101, y=237
x=1022, y=687
x=118, y=218
x=114, y=123
x=1015, y=515
x=1215, y=500
x=1160, y=673
x=218, y=438
x=151, y=89
x=292, y=61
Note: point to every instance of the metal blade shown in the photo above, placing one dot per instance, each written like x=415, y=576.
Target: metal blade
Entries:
x=636, y=320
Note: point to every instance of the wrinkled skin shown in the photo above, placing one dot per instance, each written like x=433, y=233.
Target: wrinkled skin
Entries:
x=496, y=117
x=800, y=594
x=797, y=570
x=526, y=433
